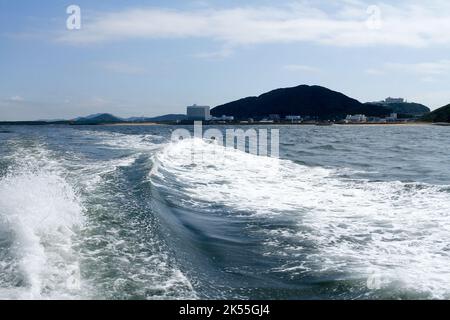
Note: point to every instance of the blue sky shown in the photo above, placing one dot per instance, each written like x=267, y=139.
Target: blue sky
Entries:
x=134, y=58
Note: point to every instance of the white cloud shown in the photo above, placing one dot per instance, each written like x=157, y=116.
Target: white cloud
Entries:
x=16, y=99
x=426, y=70
x=423, y=68
x=407, y=23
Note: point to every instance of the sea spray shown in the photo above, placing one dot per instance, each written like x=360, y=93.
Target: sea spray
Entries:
x=390, y=231
x=41, y=211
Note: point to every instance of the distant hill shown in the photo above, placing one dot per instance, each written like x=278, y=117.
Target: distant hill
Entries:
x=105, y=118
x=439, y=115
x=405, y=108
x=164, y=118
x=303, y=100
x=100, y=118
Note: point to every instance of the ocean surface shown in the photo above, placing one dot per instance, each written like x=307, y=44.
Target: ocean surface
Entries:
x=347, y=212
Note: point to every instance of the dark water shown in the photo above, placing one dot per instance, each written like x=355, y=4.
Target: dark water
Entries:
x=123, y=213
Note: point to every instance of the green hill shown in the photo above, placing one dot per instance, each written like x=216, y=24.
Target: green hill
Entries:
x=405, y=108
x=439, y=115
x=314, y=101
x=100, y=118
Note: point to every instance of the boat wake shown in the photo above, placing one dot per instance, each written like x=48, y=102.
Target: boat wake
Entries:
x=39, y=214
x=133, y=216
x=392, y=237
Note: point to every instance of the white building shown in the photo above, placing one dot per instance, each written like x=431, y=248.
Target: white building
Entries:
x=223, y=118
x=357, y=118
x=266, y=121
x=196, y=112
x=392, y=118
x=394, y=100
x=294, y=118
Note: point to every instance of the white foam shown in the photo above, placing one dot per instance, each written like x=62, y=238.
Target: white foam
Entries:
x=397, y=232
x=53, y=234
x=150, y=271
x=137, y=142
x=41, y=210
x=93, y=170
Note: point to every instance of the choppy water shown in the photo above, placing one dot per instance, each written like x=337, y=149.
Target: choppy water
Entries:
x=123, y=213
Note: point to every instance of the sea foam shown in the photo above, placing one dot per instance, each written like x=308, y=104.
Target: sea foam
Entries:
x=39, y=210
x=394, y=234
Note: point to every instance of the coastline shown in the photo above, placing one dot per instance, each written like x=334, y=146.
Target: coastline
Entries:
x=133, y=124
x=388, y=124
x=126, y=124
x=266, y=124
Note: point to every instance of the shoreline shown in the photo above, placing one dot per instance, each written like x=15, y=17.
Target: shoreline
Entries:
x=270, y=124
x=135, y=124
x=132, y=124
x=388, y=124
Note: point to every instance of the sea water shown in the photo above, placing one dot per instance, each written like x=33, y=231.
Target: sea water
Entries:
x=117, y=212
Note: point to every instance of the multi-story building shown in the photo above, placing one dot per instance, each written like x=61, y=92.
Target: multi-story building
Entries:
x=196, y=112
x=394, y=100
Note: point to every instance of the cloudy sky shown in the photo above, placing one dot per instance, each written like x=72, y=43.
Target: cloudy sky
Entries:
x=135, y=58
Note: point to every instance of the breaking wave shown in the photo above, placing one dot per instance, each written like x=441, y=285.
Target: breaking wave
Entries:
x=386, y=235
x=39, y=213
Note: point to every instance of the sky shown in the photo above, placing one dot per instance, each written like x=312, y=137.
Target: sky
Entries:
x=148, y=58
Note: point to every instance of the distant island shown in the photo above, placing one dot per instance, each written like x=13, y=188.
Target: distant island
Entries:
x=106, y=118
x=102, y=118
x=300, y=104
x=315, y=102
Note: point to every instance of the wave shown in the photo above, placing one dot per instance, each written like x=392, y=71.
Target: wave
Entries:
x=121, y=236
x=90, y=222
x=39, y=212
x=386, y=236
x=69, y=220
